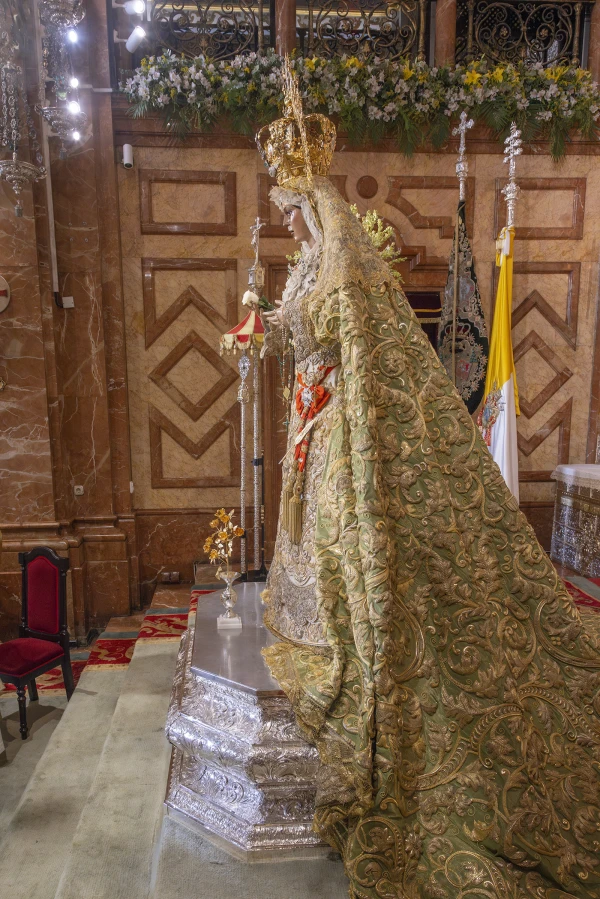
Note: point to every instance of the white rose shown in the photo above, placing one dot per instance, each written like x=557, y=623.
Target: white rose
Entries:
x=250, y=299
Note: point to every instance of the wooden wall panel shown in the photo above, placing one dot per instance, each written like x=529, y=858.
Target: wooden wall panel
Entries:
x=554, y=303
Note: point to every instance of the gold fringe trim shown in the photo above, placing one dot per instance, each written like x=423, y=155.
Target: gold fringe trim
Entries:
x=294, y=522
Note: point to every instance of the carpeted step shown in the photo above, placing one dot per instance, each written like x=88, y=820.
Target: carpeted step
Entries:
x=111, y=854
x=37, y=841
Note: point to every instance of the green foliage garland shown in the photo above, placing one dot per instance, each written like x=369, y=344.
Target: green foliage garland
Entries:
x=410, y=102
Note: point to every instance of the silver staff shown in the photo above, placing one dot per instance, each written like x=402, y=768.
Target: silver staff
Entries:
x=243, y=397
x=513, y=148
x=256, y=282
x=462, y=168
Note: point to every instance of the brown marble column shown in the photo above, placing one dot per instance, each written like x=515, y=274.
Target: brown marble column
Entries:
x=445, y=32
x=285, y=26
x=593, y=63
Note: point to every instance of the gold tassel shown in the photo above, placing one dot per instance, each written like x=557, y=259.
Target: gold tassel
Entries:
x=288, y=492
x=291, y=506
x=294, y=527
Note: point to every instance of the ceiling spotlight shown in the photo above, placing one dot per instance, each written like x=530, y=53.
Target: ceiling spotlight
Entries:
x=73, y=107
x=73, y=82
x=76, y=135
x=134, y=7
x=72, y=35
x=135, y=38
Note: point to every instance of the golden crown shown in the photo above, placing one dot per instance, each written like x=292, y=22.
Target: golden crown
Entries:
x=296, y=147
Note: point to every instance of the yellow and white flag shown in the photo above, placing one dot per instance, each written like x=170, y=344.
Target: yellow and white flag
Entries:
x=498, y=418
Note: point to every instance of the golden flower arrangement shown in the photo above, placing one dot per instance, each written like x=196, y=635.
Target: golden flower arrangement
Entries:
x=219, y=544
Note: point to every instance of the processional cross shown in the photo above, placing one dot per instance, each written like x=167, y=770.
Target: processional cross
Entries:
x=462, y=166
x=255, y=231
x=256, y=275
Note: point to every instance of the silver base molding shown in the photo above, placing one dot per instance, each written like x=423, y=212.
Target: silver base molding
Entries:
x=240, y=768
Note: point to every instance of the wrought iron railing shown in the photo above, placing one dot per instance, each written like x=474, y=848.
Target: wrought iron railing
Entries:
x=227, y=28
x=532, y=31
x=219, y=30
x=363, y=28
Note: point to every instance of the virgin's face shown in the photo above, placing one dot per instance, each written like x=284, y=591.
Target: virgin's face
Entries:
x=294, y=219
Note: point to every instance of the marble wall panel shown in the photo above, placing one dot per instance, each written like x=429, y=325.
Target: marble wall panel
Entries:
x=86, y=454
x=74, y=193
x=170, y=540
x=107, y=591
x=188, y=202
x=79, y=337
x=10, y=600
x=26, y=488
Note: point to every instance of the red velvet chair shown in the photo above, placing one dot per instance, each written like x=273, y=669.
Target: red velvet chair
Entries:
x=44, y=639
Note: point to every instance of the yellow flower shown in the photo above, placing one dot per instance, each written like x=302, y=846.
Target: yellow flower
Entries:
x=310, y=64
x=251, y=87
x=214, y=523
x=213, y=555
x=497, y=74
x=222, y=535
x=239, y=532
x=173, y=92
x=221, y=514
x=472, y=77
x=353, y=61
x=407, y=72
x=554, y=73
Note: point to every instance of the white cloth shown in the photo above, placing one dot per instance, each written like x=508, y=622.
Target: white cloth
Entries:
x=578, y=475
x=503, y=440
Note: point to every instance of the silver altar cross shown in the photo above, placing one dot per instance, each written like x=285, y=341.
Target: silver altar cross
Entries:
x=255, y=230
x=256, y=274
x=462, y=166
x=513, y=148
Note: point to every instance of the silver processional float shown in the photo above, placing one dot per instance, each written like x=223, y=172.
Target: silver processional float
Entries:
x=247, y=338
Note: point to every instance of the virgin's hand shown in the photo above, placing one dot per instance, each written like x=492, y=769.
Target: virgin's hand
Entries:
x=275, y=316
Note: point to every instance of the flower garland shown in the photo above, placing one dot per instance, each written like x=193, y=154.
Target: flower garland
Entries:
x=411, y=102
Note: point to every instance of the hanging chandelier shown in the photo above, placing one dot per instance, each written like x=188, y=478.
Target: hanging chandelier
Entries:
x=61, y=14
x=60, y=18
x=65, y=125
x=15, y=116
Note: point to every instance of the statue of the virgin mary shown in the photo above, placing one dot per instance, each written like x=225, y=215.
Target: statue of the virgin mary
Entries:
x=428, y=647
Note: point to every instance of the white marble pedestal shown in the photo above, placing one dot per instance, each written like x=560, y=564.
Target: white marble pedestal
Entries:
x=240, y=768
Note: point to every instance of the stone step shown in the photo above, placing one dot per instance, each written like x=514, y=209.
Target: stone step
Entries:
x=37, y=841
x=189, y=865
x=111, y=853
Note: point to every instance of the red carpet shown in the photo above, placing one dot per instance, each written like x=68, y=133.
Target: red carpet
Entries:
x=583, y=599
x=161, y=627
